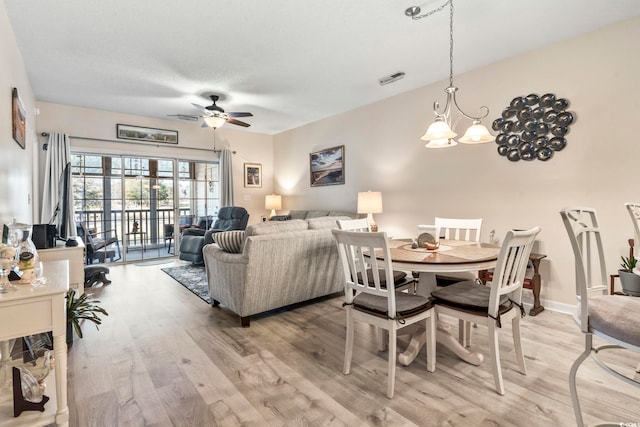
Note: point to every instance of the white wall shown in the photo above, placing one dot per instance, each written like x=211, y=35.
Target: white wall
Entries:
x=101, y=126
x=598, y=74
x=16, y=165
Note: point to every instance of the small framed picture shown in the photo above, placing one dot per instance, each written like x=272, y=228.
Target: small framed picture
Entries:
x=253, y=175
x=19, y=117
x=327, y=166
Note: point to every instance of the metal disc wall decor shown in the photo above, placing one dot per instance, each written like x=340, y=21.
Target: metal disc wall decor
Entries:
x=533, y=127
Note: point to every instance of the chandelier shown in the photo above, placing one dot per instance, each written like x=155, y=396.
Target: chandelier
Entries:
x=440, y=134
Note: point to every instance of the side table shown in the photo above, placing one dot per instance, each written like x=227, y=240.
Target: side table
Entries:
x=534, y=283
x=29, y=311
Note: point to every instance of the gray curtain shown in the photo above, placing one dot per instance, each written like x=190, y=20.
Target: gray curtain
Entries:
x=58, y=155
x=226, y=178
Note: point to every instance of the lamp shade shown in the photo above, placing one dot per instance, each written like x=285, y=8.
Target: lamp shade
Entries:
x=369, y=202
x=214, y=121
x=440, y=143
x=476, y=134
x=438, y=130
x=273, y=201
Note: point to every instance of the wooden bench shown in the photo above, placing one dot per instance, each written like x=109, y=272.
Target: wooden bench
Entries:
x=534, y=283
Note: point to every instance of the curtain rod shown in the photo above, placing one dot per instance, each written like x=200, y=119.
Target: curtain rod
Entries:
x=215, y=150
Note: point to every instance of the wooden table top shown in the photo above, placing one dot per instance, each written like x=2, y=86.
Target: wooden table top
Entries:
x=449, y=252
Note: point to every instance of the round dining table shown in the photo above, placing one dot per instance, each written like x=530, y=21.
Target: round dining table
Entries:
x=452, y=256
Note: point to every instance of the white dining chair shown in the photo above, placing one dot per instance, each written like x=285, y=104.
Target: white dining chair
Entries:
x=491, y=305
x=400, y=280
x=613, y=318
x=459, y=229
x=372, y=302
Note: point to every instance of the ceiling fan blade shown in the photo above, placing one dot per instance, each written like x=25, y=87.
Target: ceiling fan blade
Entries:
x=237, y=122
x=188, y=117
x=204, y=124
x=240, y=114
x=200, y=107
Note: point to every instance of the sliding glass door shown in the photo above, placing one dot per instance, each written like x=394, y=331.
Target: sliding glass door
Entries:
x=133, y=199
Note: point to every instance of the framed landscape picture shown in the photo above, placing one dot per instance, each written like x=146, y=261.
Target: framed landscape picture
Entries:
x=253, y=175
x=19, y=118
x=147, y=134
x=327, y=166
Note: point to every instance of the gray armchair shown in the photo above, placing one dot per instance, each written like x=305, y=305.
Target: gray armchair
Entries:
x=194, y=239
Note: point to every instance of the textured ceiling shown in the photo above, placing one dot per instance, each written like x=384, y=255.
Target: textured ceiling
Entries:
x=287, y=62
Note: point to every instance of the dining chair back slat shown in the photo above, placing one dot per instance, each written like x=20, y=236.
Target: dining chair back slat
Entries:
x=360, y=224
x=459, y=229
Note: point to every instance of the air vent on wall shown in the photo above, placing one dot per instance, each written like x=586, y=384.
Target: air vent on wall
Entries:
x=390, y=79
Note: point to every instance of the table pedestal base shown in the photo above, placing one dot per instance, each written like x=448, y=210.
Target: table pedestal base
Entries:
x=444, y=337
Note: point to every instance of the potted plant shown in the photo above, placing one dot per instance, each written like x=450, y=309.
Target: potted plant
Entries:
x=79, y=309
x=630, y=281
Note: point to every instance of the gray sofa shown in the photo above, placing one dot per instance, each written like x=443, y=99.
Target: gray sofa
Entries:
x=280, y=263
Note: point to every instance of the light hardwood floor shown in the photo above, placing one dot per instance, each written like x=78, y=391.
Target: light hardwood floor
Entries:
x=164, y=357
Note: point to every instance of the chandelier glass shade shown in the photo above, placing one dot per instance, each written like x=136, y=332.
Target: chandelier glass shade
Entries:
x=440, y=133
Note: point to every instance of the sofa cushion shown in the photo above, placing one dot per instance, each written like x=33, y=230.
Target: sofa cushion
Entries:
x=230, y=241
x=316, y=214
x=271, y=227
x=297, y=214
x=323, y=222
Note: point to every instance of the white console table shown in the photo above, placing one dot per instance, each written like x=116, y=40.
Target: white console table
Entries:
x=30, y=311
x=73, y=254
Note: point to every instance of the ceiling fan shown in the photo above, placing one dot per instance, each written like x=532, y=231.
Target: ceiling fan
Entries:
x=214, y=115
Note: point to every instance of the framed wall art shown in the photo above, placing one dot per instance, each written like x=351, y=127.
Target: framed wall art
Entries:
x=146, y=134
x=327, y=166
x=253, y=175
x=19, y=118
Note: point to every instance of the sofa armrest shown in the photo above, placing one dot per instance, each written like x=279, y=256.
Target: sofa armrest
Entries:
x=226, y=275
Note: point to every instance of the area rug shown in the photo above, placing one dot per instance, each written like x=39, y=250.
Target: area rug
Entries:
x=192, y=277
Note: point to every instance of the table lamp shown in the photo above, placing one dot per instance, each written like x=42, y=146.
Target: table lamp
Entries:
x=370, y=202
x=273, y=202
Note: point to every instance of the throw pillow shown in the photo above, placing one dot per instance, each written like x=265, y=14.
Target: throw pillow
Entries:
x=230, y=241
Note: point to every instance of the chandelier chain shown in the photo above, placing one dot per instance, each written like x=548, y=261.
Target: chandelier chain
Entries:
x=450, y=42
x=415, y=17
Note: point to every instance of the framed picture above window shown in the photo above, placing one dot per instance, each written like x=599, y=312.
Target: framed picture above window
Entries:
x=327, y=166
x=147, y=134
x=253, y=175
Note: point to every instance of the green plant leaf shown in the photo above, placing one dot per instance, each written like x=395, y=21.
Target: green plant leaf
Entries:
x=83, y=308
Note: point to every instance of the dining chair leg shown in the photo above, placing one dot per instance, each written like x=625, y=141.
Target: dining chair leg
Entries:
x=391, y=374
x=588, y=338
x=348, y=349
x=495, y=354
x=430, y=342
x=517, y=344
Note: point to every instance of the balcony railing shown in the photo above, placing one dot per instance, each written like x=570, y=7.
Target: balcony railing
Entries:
x=154, y=226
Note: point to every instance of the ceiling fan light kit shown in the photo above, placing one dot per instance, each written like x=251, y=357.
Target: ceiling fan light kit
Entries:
x=214, y=121
x=439, y=134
